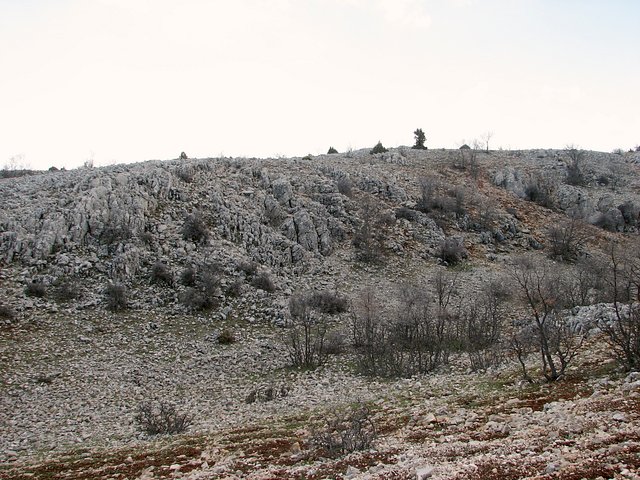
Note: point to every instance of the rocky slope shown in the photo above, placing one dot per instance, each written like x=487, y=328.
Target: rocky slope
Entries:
x=72, y=373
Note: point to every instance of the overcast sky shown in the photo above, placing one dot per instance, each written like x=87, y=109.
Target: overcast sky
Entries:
x=132, y=80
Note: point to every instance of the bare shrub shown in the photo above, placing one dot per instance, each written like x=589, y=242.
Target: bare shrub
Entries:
x=185, y=174
x=482, y=328
x=6, y=312
x=162, y=419
x=567, y=239
x=428, y=190
x=161, y=274
x=334, y=343
x=263, y=281
x=194, y=229
x=438, y=197
x=541, y=190
x=35, y=288
x=369, y=235
x=234, y=289
x=369, y=330
x=328, y=302
x=417, y=339
x=66, y=291
x=115, y=296
x=630, y=213
x=196, y=300
x=347, y=432
x=419, y=336
x=188, y=277
x=226, y=337
x=575, y=174
x=467, y=159
x=345, y=187
x=247, y=267
x=146, y=238
x=305, y=339
x=267, y=393
x=113, y=234
x=452, y=251
x=203, y=295
x=610, y=221
x=407, y=214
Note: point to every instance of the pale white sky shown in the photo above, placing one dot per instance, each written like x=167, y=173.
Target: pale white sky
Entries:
x=132, y=80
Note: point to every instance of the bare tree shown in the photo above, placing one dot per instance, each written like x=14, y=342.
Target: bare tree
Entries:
x=567, y=239
x=305, y=340
x=623, y=330
x=370, y=332
x=483, y=329
x=369, y=235
x=486, y=137
x=557, y=344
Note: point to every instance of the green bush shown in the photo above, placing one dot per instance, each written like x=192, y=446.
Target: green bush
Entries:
x=378, y=149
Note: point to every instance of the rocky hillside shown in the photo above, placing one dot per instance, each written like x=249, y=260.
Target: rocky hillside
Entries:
x=171, y=282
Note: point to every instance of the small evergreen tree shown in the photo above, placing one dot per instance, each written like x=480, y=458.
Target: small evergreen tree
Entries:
x=420, y=139
x=332, y=150
x=378, y=149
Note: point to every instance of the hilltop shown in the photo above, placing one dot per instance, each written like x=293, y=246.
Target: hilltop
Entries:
x=172, y=281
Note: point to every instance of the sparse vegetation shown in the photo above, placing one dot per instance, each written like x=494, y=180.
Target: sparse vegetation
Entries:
x=542, y=190
x=115, y=296
x=267, y=393
x=328, y=302
x=548, y=332
x=452, y=251
x=567, y=239
x=332, y=151
x=35, y=288
x=162, y=418
x=575, y=174
x=188, y=277
x=203, y=294
x=66, y=291
x=161, y=274
x=6, y=312
x=226, y=337
x=263, y=281
x=305, y=339
x=345, y=187
x=346, y=432
x=623, y=330
x=194, y=229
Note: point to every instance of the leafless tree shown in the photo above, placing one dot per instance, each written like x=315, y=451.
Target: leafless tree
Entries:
x=305, y=339
x=567, y=239
x=623, y=330
x=483, y=328
x=557, y=344
x=486, y=137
